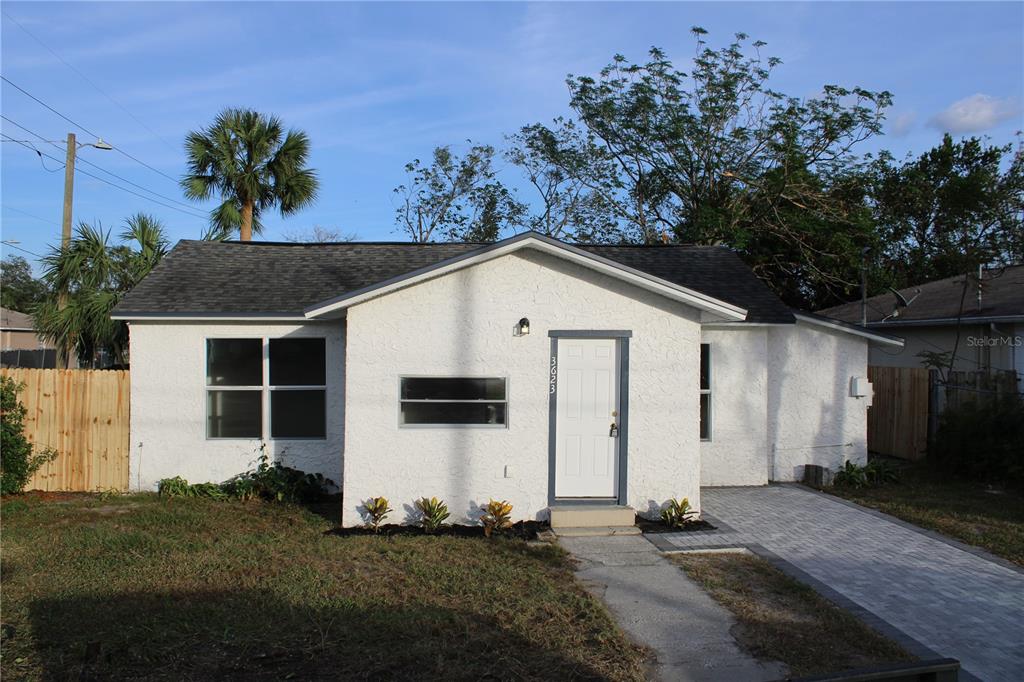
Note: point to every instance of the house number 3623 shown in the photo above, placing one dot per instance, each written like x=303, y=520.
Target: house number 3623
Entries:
x=554, y=374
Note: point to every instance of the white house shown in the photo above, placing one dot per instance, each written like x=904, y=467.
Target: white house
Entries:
x=529, y=370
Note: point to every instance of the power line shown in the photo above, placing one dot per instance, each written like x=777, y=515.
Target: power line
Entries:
x=88, y=80
x=26, y=213
x=114, y=184
x=31, y=253
x=84, y=129
x=33, y=97
x=104, y=170
x=29, y=146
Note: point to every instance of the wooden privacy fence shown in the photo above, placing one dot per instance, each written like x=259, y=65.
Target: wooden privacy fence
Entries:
x=83, y=415
x=898, y=416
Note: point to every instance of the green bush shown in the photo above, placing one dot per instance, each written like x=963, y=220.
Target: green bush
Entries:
x=17, y=463
x=267, y=481
x=982, y=440
x=677, y=513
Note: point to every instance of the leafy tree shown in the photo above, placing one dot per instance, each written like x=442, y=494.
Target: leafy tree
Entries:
x=575, y=182
x=254, y=165
x=19, y=290
x=716, y=156
x=455, y=198
x=949, y=210
x=95, y=274
x=319, y=234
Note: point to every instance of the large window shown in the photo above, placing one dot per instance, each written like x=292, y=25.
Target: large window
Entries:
x=705, y=391
x=453, y=401
x=248, y=378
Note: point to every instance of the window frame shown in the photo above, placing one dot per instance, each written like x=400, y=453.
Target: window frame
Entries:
x=401, y=401
x=265, y=388
x=705, y=392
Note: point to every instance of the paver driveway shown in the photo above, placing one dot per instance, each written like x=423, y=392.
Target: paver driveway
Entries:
x=952, y=601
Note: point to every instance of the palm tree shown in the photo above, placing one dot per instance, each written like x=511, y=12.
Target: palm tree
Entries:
x=249, y=160
x=95, y=273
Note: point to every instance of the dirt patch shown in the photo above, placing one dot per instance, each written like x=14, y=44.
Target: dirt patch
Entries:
x=782, y=619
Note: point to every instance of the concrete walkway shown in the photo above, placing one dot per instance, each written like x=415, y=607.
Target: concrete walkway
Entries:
x=659, y=607
x=948, y=598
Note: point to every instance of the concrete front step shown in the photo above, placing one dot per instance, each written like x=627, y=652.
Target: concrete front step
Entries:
x=595, y=531
x=591, y=516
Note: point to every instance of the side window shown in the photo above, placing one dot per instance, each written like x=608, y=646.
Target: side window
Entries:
x=705, y=391
x=234, y=388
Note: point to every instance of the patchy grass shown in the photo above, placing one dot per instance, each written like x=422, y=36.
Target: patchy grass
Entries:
x=987, y=516
x=784, y=620
x=147, y=588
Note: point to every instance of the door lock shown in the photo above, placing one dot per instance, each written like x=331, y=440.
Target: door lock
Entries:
x=613, y=430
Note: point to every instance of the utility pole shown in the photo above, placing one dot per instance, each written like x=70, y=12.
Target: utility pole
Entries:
x=69, y=191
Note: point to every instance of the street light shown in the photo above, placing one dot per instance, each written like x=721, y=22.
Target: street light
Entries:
x=69, y=182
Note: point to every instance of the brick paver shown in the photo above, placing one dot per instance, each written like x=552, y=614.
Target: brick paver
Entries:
x=954, y=602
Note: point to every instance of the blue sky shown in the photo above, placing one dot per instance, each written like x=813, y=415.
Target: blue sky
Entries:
x=378, y=84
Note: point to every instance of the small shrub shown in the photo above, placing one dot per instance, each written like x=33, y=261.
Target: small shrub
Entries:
x=433, y=513
x=851, y=475
x=179, y=487
x=677, y=512
x=497, y=516
x=982, y=440
x=278, y=483
x=377, y=510
x=17, y=463
x=880, y=472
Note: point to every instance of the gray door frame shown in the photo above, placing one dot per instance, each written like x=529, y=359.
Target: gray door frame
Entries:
x=621, y=336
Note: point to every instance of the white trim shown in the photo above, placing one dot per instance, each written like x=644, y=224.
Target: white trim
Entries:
x=836, y=326
x=940, y=321
x=742, y=325
x=551, y=247
x=208, y=317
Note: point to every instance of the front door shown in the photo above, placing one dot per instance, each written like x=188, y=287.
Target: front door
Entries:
x=586, y=418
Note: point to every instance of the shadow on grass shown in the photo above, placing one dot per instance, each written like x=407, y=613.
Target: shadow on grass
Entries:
x=250, y=635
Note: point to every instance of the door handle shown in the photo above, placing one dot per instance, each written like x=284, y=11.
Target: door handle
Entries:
x=613, y=430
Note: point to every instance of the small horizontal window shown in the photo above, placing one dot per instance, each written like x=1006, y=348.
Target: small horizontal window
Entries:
x=453, y=401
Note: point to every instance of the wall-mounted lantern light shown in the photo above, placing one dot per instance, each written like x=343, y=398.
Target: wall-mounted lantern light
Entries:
x=523, y=327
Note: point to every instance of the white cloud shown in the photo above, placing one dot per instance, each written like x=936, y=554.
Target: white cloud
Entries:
x=902, y=124
x=975, y=114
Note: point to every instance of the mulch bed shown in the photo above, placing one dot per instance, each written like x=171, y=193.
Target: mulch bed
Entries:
x=650, y=526
x=523, y=530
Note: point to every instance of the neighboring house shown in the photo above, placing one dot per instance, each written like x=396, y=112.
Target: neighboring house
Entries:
x=989, y=325
x=528, y=370
x=20, y=346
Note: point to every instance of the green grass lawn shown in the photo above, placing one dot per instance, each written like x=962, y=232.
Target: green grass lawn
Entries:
x=988, y=516
x=190, y=589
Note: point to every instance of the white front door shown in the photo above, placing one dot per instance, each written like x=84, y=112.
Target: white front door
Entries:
x=587, y=403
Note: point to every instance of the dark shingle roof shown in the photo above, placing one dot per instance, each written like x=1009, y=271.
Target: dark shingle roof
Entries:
x=1002, y=295
x=263, y=278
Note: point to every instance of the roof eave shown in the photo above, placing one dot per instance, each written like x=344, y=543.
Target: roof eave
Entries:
x=848, y=328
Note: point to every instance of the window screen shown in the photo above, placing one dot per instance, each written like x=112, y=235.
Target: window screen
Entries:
x=234, y=362
x=453, y=401
x=234, y=414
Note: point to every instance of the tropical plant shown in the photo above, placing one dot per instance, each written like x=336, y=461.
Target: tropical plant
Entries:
x=677, y=513
x=249, y=160
x=851, y=475
x=17, y=463
x=377, y=510
x=87, y=279
x=433, y=513
x=497, y=516
x=880, y=472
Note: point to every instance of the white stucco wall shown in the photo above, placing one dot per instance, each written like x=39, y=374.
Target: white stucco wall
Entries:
x=462, y=324
x=812, y=419
x=168, y=406
x=737, y=453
